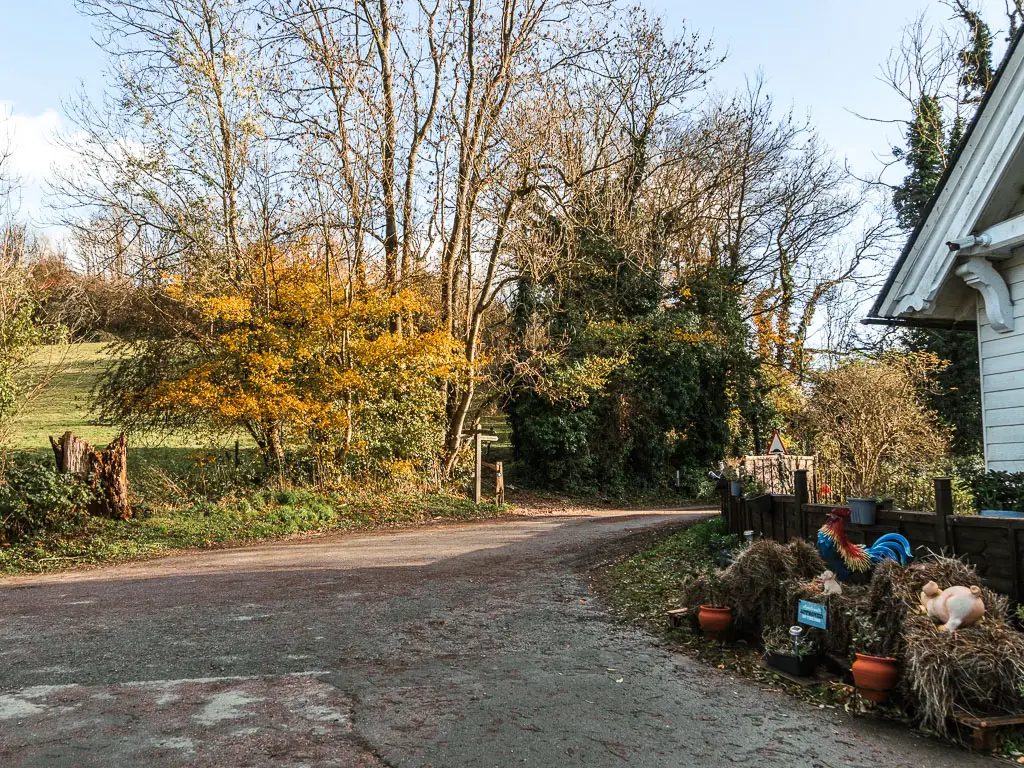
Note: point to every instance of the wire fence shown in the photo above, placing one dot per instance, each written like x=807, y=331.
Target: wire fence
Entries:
x=829, y=484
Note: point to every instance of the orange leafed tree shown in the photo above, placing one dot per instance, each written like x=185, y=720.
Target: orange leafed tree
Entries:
x=296, y=368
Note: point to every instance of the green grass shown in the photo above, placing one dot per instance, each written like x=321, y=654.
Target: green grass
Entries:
x=262, y=515
x=644, y=586
x=66, y=403
x=185, y=493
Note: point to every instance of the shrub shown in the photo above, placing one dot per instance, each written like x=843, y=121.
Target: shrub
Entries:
x=620, y=397
x=997, y=490
x=867, y=419
x=35, y=498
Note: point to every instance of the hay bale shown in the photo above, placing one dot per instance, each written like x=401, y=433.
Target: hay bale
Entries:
x=755, y=582
x=894, y=593
x=977, y=669
x=765, y=583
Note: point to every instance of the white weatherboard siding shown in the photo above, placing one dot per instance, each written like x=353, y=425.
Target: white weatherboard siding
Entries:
x=1002, y=377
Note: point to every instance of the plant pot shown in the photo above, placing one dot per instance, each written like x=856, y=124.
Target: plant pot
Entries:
x=791, y=665
x=735, y=487
x=875, y=676
x=715, y=622
x=862, y=511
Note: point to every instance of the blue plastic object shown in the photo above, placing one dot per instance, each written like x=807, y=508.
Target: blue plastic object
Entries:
x=1000, y=513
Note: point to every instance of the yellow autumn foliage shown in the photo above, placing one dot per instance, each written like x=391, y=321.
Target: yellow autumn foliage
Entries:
x=294, y=367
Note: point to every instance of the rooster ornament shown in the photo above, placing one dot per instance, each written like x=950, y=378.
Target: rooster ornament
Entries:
x=846, y=558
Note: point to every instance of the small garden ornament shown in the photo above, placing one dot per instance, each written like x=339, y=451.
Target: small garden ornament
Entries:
x=830, y=584
x=846, y=558
x=953, y=607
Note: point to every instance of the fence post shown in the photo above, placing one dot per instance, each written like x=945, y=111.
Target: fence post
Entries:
x=800, y=492
x=725, y=495
x=943, y=509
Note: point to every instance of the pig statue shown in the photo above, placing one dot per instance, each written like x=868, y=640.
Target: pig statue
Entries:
x=952, y=607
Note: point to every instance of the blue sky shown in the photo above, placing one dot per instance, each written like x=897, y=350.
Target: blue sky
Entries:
x=821, y=57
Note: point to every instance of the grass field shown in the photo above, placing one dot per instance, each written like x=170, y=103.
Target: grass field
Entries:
x=66, y=403
x=186, y=493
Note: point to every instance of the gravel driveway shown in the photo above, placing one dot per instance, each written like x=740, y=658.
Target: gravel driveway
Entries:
x=474, y=645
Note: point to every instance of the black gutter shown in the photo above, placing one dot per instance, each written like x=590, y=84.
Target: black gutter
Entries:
x=873, y=314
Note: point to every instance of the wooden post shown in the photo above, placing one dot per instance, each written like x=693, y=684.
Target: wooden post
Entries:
x=479, y=438
x=800, y=492
x=1015, y=593
x=73, y=455
x=478, y=475
x=499, y=483
x=943, y=511
x=106, y=470
x=110, y=472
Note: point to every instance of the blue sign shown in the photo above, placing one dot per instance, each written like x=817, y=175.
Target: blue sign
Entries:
x=812, y=614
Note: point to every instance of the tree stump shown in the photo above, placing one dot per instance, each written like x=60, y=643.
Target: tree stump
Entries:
x=106, y=471
x=74, y=455
x=110, y=472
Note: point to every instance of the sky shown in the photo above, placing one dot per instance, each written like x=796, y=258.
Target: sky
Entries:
x=823, y=58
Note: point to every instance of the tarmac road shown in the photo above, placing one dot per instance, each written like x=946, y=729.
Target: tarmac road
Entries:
x=474, y=645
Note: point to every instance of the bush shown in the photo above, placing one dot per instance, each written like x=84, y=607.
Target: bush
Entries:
x=997, y=490
x=629, y=393
x=36, y=499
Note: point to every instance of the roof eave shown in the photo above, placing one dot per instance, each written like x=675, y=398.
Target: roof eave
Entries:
x=883, y=295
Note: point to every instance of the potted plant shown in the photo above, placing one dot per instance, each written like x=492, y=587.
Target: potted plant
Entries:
x=714, y=617
x=874, y=674
x=862, y=509
x=732, y=473
x=790, y=651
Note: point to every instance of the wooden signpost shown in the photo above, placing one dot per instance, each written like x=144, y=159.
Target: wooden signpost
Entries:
x=479, y=438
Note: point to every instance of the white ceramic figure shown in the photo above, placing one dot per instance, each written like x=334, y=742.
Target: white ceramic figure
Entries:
x=952, y=607
x=830, y=584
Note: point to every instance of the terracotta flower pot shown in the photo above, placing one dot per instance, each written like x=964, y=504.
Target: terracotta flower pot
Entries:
x=714, y=621
x=875, y=676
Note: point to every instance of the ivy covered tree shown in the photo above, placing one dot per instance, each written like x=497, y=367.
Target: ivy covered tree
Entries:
x=925, y=156
x=941, y=100
x=635, y=380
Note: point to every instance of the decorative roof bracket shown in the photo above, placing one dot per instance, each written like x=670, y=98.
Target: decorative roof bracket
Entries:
x=979, y=273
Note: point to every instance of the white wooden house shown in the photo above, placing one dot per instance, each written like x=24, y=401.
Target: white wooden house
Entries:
x=964, y=264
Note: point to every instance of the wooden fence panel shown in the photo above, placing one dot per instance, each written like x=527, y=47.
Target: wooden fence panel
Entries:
x=993, y=545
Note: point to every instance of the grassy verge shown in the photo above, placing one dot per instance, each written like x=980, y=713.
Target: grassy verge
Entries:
x=263, y=515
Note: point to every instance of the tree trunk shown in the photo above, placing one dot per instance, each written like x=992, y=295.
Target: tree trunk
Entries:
x=73, y=454
x=110, y=478
x=106, y=470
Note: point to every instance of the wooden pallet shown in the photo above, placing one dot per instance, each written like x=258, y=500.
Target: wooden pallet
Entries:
x=984, y=729
x=821, y=676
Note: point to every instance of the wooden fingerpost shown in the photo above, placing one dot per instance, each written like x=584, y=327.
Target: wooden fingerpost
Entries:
x=800, y=494
x=943, y=511
x=478, y=474
x=479, y=438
